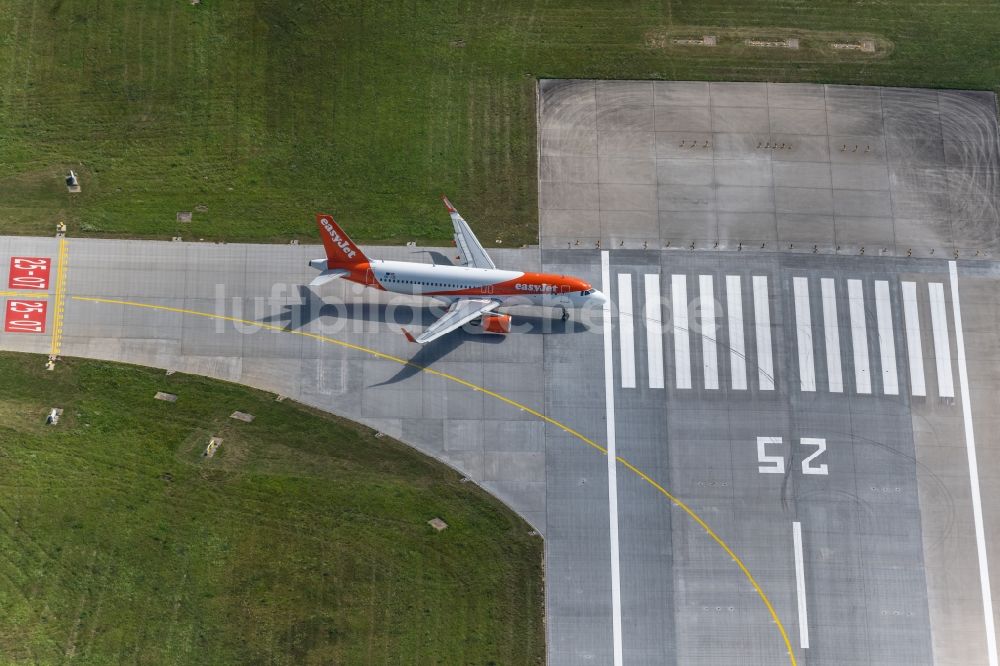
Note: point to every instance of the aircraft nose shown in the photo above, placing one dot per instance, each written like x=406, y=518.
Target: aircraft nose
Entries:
x=599, y=297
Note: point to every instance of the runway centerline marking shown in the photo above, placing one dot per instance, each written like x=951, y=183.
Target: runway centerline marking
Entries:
x=654, y=330
x=970, y=448
x=913, y=349
x=800, y=586
x=676, y=501
x=611, y=452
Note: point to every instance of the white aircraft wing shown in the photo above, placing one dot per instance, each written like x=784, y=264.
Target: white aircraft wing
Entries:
x=460, y=313
x=469, y=248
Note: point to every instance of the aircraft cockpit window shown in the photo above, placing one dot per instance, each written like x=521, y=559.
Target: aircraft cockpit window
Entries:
x=587, y=292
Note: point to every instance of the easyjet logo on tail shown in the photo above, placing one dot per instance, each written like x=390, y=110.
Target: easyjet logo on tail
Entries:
x=343, y=244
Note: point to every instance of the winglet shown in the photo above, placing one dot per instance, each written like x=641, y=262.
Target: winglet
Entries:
x=447, y=204
x=408, y=335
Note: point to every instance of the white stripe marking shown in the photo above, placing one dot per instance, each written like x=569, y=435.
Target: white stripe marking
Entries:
x=913, y=349
x=859, y=336
x=970, y=448
x=737, y=351
x=942, y=345
x=800, y=586
x=762, y=327
x=612, y=458
x=682, y=346
x=803, y=333
x=709, y=355
x=626, y=333
x=654, y=331
x=886, y=341
x=831, y=331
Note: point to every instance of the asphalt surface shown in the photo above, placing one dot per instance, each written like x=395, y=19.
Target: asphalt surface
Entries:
x=851, y=530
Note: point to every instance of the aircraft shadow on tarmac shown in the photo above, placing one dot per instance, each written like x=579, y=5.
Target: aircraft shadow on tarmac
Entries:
x=299, y=315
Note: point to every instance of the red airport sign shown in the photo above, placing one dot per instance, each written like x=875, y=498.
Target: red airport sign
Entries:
x=25, y=317
x=29, y=273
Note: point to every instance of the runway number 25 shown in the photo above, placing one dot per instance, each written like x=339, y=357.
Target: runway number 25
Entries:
x=771, y=463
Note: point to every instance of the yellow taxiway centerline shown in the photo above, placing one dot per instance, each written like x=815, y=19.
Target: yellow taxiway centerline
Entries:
x=475, y=387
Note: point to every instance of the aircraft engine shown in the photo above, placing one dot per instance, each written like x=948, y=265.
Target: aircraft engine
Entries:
x=495, y=323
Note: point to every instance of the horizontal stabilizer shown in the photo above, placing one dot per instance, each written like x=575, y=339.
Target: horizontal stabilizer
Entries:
x=327, y=276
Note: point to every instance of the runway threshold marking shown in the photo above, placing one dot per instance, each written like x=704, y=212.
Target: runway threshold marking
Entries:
x=654, y=331
x=831, y=333
x=859, y=336
x=762, y=330
x=737, y=351
x=913, y=349
x=970, y=448
x=803, y=334
x=60, y=298
x=475, y=387
x=710, y=359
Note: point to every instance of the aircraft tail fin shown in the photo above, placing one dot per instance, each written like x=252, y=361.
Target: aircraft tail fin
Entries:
x=340, y=249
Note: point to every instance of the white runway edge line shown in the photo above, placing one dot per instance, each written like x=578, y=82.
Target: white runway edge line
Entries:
x=682, y=343
x=942, y=346
x=626, y=332
x=859, y=336
x=737, y=350
x=886, y=341
x=800, y=586
x=654, y=330
x=612, y=456
x=831, y=332
x=762, y=328
x=970, y=448
x=803, y=334
x=709, y=355
x=914, y=351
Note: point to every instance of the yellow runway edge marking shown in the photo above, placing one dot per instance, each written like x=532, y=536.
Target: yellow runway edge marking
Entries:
x=475, y=387
x=23, y=294
x=60, y=298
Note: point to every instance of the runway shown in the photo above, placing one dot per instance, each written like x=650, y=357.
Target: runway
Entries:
x=804, y=462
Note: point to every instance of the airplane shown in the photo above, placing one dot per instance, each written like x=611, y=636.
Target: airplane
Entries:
x=474, y=290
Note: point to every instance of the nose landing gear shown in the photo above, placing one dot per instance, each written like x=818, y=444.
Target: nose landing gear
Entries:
x=565, y=314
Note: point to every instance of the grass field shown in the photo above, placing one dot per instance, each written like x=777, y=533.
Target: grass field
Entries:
x=303, y=541
x=255, y=114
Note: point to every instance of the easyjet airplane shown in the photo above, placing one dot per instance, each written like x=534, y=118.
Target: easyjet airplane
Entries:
x=475, y=290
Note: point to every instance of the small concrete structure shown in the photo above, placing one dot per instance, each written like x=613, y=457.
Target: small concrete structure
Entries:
x=184, y=216
x=438, y=524
x=166, y=397
x=53, y=416
x=242, y=416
